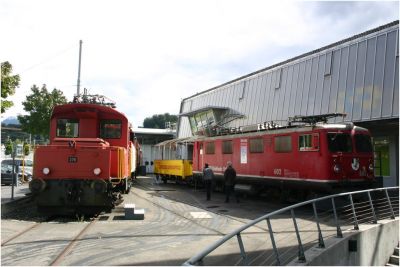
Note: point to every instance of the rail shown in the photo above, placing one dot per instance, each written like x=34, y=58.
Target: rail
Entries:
x=347, y=209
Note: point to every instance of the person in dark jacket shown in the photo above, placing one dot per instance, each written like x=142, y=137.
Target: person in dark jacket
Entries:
x=230, y=180
x=208, y=176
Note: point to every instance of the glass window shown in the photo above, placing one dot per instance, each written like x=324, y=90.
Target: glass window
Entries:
x=363, y=143
x=193, y=125
x=202, y=122
x=309, y=142
x=67, y=128
x=210, y=148
x=28, y=163
x=256, y=145
x=227, y=147
x=110, y=129
x=382, y=156
x=339, y=142
x=283, y=143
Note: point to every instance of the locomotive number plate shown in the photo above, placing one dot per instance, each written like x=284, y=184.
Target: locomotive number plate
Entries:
x=72, y=159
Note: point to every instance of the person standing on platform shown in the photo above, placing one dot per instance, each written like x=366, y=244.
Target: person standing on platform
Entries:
x=208, y=176
x=230, y=180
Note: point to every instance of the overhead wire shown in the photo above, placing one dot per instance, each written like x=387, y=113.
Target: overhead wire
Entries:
x=51, y=57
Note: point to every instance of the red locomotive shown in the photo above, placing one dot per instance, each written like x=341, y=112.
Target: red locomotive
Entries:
x=310, y=156
x=91, y=158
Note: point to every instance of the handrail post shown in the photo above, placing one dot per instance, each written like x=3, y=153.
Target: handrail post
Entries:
x=244, y=257
x=390, y=204
x=338, y=230
x=302, y=257
x=321, y=243
x=354, y=213
x=372, y=207
x=271, y=234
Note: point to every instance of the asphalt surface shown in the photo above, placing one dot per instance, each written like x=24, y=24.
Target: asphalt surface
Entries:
x=19, y=192
x=178, y=224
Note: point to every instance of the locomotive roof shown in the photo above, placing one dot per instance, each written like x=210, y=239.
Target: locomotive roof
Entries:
x=60, y=109
x=291, y=129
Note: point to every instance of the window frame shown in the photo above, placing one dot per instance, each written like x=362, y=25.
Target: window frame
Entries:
x=210, y=148
x=253, y=145
x=224, y=147
x=357, y=143
x=348, y=135
x=69, y=120
x=314, y=142
x=108, y=121
x=280, y=137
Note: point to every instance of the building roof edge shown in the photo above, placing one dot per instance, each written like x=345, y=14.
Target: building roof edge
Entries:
x=377, y=29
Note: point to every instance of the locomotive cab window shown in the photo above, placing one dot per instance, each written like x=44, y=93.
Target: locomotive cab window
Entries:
x=309, y=142
x=67, y=128
x=363, y=143
x=339, y=142
x=110, y=129
x=227, y=147
x=283, y=144
x=256, y=145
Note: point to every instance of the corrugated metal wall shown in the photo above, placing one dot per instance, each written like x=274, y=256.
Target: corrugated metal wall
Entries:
x=359, y=77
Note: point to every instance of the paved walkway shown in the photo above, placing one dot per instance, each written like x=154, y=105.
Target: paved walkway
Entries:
x=19, y=192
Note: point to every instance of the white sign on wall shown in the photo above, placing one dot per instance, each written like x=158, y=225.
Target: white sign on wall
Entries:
x=243, y=151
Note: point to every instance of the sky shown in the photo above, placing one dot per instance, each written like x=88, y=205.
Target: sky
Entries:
x=148, y=55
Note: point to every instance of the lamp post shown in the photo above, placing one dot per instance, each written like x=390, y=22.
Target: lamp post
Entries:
x=13, y=152
x=16, y=150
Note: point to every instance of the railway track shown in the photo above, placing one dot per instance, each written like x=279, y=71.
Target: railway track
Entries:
x=15, y=236
x=179, y=215
x=196, y=204
x=305, y=219
x=45, y=222
x=169, y=224
x=70, y=246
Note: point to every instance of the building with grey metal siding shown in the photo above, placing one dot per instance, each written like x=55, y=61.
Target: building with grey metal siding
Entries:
x=358, y=76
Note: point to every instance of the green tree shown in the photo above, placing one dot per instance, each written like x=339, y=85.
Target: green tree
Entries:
x=39, y=105
x=27, y=149
x=9, y=147
x=158, y=121
x=8, y=84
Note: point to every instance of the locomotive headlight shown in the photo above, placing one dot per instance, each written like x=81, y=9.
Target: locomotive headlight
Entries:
x=97, y=171
x=371, y=167
x=46, y=171
x=336, y=168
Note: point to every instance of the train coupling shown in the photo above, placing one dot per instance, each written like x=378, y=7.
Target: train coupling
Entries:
x=37, y=185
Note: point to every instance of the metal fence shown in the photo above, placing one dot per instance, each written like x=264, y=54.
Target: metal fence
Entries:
x=312, y=222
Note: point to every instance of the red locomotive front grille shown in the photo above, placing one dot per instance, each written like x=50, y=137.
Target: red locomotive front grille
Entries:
x=66, y=162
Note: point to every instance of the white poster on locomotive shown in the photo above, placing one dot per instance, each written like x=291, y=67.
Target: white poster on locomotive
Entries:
x=243, y=151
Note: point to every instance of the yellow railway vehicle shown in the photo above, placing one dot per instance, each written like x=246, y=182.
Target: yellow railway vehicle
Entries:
x=178, y=169
x=173, y=160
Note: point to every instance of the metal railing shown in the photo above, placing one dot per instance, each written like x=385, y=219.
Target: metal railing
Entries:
x=335, y=212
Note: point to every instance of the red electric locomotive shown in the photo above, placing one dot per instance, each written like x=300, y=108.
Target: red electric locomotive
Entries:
x=90, y=161
x=309, y=157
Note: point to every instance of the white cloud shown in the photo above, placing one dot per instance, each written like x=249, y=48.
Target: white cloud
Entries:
x=148, y=55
